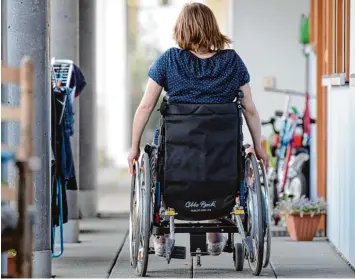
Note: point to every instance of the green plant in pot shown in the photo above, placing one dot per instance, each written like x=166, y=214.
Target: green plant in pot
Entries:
x=302, y=216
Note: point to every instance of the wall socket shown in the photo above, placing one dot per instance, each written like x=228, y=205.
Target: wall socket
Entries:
x=269, y=82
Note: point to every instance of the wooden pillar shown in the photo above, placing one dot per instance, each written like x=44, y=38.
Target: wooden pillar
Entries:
x=347, y=38
x=319, y=27
x=321, y=100
x=340, y=36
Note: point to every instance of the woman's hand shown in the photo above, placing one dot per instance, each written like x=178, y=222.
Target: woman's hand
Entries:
x=262, y=155
x=133, y=156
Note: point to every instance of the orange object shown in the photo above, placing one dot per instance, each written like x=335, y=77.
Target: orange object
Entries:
x=11, y=266
x=263, y=143
x=302, y=228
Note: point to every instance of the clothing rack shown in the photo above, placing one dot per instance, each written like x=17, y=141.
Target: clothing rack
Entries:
x=17, y=234
x=64, y=91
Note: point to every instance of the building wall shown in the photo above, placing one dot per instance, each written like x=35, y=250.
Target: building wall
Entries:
x=220, y=9
x=340, y=170
x=352, y=36
x=340, y=162
x=265, y=34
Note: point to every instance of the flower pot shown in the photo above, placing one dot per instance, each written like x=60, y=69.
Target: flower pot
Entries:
x=11, y=266
x=302, y=228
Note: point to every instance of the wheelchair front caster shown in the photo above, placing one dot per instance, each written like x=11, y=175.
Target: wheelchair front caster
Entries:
x=238, y=256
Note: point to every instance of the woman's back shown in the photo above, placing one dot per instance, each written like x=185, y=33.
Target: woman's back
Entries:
x=189, y=79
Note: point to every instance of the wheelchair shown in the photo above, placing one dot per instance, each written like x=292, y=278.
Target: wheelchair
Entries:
x=195, y=170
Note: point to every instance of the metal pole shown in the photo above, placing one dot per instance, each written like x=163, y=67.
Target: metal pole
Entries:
x=28, y=34
x=65, y=45
x=287, y=92
x=88, y=147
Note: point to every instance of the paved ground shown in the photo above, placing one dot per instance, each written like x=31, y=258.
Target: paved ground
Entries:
x=113, y=191
x=102, y=238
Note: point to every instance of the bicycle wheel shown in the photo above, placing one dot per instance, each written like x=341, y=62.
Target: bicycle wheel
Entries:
x=266, y=215
x=255, y=228
x=296, y=187
x=145, y=192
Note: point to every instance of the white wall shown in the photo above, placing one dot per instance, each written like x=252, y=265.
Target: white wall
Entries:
x=340, y=171
x=352, y=36
x=265, y=34
x=340, y=162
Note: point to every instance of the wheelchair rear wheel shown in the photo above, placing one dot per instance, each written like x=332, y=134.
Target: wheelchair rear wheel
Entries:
x=145, y=211
x=134, y=219
x=266, y=215
x=255, y=228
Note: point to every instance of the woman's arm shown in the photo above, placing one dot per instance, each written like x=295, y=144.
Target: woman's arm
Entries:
x=251, y=116
x=144, y=110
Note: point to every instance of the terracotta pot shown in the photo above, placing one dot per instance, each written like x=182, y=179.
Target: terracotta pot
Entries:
x=302, y=228
x=11, y=266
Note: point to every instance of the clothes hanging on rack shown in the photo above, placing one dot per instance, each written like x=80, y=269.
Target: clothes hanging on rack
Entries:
x=63, y=171
x=77, y=81
x=55, y=168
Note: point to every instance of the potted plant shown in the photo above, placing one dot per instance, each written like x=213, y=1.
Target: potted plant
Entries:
x=11, y=263
x=302, y=216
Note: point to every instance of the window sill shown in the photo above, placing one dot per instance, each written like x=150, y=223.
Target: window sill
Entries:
x=338, y=80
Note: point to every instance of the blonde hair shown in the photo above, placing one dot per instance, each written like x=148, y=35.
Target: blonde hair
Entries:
x=197, y=29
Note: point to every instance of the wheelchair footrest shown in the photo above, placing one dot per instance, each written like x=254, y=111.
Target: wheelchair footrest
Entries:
x=179, y=252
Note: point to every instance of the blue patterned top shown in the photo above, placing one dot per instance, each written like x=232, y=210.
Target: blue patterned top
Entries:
x=189, y=79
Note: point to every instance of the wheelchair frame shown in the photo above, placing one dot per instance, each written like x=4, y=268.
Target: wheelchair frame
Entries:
x=147, y=217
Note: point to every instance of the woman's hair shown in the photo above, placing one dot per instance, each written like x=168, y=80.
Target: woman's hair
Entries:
x=196, y=29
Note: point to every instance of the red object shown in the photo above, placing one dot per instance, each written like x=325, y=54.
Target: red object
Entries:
x=157, y=218
x=297, y=141
x=307, y=118
x=275, y=140
x=287, y=160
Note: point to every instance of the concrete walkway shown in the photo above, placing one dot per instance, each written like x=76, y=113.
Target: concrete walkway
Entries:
x=113, y=191
x=102, y=238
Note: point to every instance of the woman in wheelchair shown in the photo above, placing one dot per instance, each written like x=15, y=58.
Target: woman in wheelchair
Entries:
x=201, y=71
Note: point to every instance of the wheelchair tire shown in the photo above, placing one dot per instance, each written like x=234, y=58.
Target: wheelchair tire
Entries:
x=238, y=256
x=133, y=220
x=257, y=233
x=146, y=217
x=266, y=216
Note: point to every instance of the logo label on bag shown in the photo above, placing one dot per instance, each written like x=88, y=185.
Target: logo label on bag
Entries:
x=200, y=206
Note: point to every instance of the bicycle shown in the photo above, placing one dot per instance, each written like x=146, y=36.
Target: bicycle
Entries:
x=288, y=149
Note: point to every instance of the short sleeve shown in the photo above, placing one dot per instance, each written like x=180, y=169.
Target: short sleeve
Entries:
x=242, y=72
x=157, y=71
